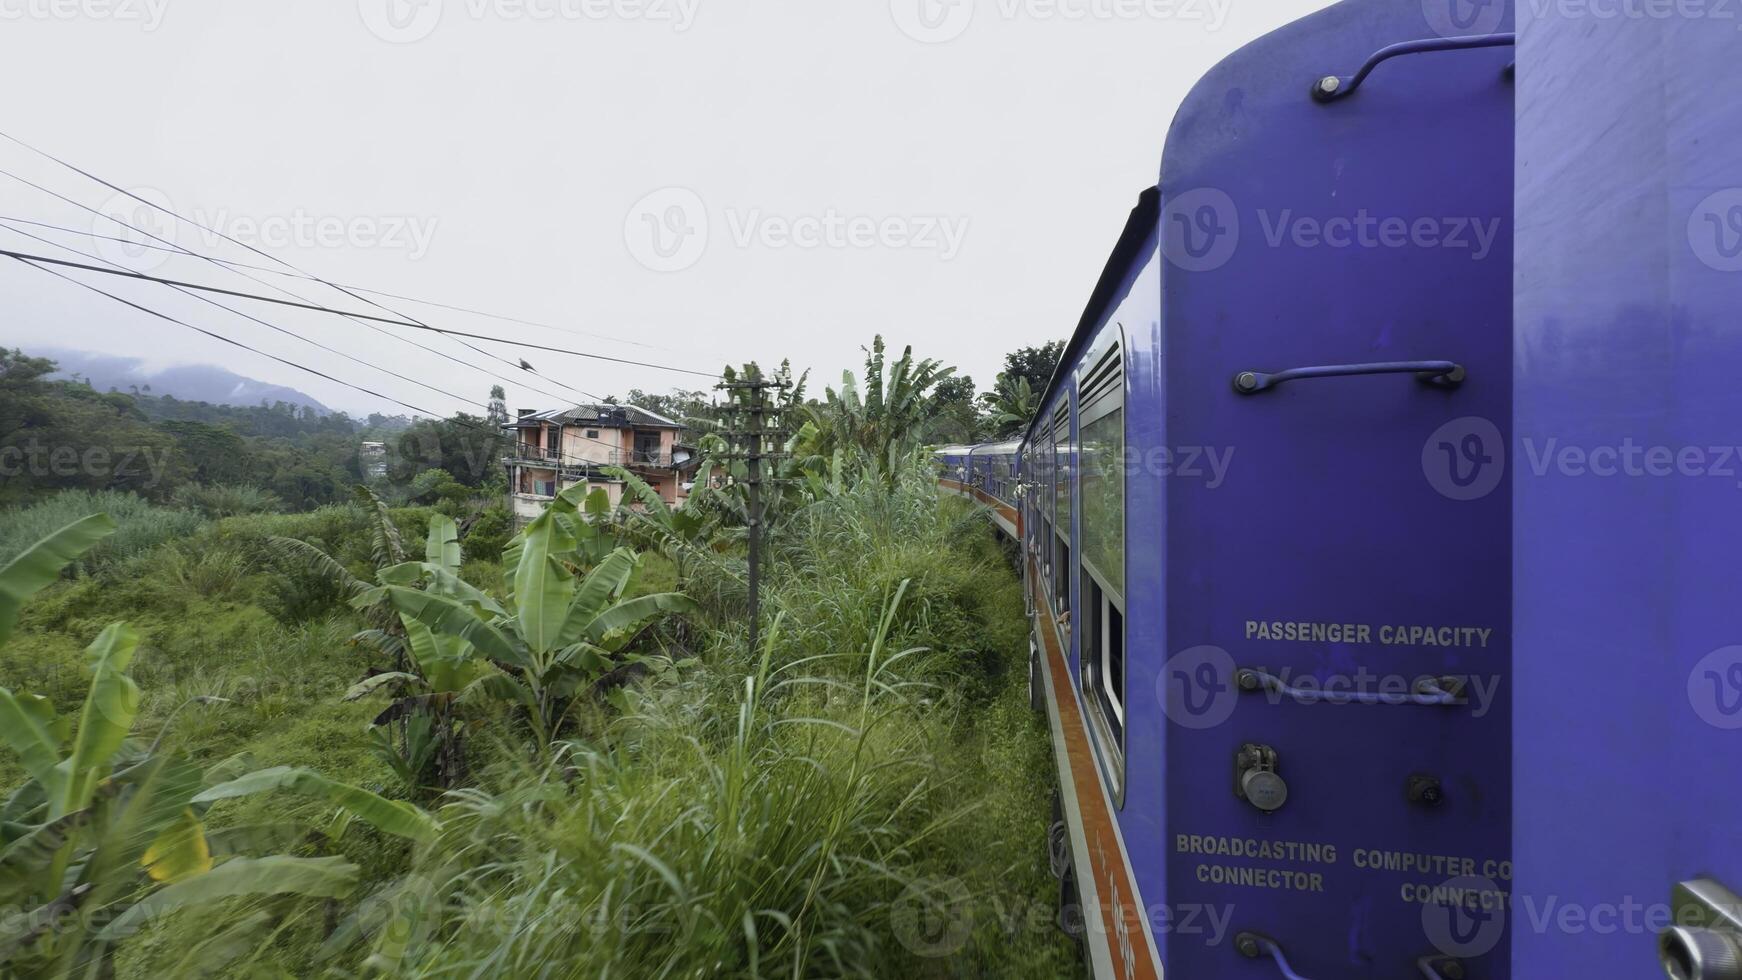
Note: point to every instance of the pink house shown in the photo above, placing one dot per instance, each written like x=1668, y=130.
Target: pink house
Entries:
x=559, y=449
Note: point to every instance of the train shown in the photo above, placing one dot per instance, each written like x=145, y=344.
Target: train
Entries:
x=1382, y=593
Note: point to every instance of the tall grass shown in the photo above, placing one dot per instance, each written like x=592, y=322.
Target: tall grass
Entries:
x=849, y=801
x=142, y=525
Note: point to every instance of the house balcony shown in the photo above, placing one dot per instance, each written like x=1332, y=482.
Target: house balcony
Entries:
x=526, y=452
x=641, y=460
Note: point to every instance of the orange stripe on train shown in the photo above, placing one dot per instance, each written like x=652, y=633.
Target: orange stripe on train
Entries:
x=1122, y=917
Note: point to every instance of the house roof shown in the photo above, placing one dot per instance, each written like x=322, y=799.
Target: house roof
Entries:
x=596, y=415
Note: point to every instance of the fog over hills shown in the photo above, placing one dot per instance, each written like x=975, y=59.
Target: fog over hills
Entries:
x=189, y=382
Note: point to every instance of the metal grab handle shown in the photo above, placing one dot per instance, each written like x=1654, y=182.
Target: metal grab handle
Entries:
x=1333, y=87
x=1443, y=373
x=1254, y=945
x=1429, y=691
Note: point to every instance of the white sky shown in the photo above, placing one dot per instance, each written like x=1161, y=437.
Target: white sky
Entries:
x=518, y=156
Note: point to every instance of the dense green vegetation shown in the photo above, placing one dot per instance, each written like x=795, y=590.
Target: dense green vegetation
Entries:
x=407, y=740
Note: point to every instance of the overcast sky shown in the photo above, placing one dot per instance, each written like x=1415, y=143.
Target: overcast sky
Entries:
x=715, y=180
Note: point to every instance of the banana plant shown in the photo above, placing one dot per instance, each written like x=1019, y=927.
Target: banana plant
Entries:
x=106, y=833
x=437, y=669
x=557, y=631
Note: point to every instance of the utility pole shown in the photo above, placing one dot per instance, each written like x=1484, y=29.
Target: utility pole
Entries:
x=754, y=454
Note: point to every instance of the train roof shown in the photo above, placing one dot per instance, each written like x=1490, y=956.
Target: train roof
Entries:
x=991, y=448
x=1140, y=229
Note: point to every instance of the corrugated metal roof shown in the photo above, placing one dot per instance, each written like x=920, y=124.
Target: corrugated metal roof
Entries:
x=576, y=414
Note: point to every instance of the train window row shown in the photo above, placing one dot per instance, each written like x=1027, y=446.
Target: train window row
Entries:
x=1084, y=463
x=1101, y=479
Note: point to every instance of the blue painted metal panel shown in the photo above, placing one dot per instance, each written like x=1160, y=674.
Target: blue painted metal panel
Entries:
x=1376, y=228
x=1629, y=282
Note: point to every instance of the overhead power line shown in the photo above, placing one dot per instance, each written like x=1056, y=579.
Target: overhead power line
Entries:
x=175, y=249
x=271, y=326
x=315, y=307
x=562, y=458
x=255, y=279
x=279, y=261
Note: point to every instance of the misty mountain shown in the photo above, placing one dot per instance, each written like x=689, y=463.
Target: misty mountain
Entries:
x=189, y=382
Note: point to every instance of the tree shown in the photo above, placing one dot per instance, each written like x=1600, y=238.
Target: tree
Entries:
x=885, y=425
x=497, y=413
x=1010, y=407
x=1015, y=397
x=1036, y=364
x=952, y=417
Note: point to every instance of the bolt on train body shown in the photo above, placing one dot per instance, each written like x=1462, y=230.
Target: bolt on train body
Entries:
x=1380, y=611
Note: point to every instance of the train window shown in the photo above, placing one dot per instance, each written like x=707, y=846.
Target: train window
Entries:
x=1062, y=479
x=1101, y=462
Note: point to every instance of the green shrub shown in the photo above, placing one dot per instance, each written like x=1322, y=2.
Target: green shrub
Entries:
x=141, y=525
x=489, y=534
x=226, y=500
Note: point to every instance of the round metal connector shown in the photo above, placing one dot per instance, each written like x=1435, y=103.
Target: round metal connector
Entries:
x=1246, y=382
x=1264, y=789
x=1699, y=954
x=1326, y=88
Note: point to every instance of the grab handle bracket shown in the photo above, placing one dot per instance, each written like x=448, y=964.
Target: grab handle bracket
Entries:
x=1330, y=88
x=1446, y=374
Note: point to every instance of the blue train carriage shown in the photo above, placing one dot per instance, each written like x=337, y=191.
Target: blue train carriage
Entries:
x=987, y=474
x=1628, y=726
x=1270, y=569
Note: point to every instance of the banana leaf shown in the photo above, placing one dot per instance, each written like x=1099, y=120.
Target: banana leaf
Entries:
x=328, y=877
x=387, y=816
x=42, y=562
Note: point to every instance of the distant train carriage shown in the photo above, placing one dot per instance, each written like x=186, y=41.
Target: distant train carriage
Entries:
x=987, y=474
x=1267, y=517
